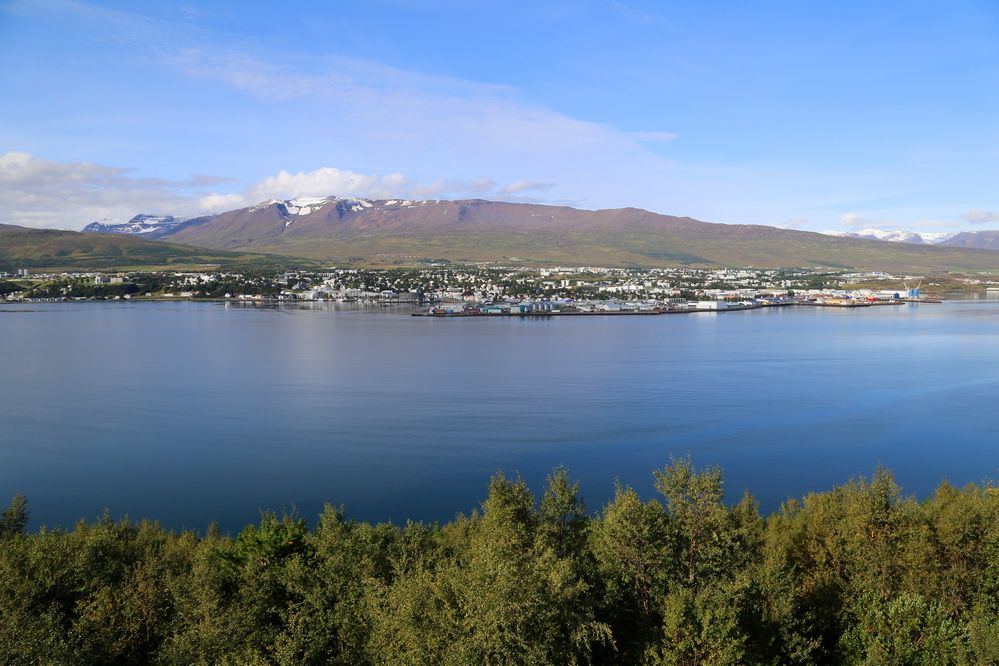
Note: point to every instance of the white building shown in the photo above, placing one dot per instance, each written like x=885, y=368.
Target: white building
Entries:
x=712, y=305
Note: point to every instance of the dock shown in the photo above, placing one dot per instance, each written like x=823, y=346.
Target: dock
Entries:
x=474, y=311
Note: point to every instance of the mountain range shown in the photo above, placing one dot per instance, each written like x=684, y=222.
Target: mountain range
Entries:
x=143, y=224
x=917, y=238
x=985, y=239
x=397, y=232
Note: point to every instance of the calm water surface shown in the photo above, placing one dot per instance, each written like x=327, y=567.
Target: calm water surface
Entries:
x=193, y=412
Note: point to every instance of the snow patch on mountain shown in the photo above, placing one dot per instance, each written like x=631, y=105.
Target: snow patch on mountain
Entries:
x=307, y=205
x=893, y=236
x=142, y=224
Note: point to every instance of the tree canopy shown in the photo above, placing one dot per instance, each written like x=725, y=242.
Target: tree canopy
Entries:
x=860, y=574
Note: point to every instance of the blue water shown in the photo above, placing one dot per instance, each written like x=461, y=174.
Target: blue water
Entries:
x=194, y=412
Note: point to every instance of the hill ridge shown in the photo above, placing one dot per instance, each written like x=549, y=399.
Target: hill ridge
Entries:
x=393, y=231
x=54, y=249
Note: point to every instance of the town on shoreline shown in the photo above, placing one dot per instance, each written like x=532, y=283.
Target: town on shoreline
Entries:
x=448, y=290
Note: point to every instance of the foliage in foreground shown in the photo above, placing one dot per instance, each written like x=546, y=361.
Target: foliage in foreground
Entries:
x=857, y=575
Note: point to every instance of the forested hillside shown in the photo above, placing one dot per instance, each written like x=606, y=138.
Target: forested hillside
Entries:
x=857, y=575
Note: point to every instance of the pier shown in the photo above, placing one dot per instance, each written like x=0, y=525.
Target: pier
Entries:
x=547, y=310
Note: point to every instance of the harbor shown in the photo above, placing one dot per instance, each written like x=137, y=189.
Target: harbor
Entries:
x=546, y=308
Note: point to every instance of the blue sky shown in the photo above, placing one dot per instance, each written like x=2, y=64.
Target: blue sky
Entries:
x=811, y=115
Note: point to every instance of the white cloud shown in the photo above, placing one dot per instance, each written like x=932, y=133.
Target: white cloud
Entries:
x=900, y=220
x=856, y=220
x=331, y=181
x=326, y=181
x=456, y=189
x=526, y=185
x=38, y=192
x=979, y=216
x=220, y=202
x=18, y=169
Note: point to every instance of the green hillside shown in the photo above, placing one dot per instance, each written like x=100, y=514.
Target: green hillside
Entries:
x=47, y=249
x=638, y=250
x=741, y=245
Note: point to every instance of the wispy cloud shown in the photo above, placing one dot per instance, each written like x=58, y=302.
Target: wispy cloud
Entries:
x=857, y=221
x=409, y=111
x=335, y=124
x=934, y=225
x=640, y=16
x=979, y=216
x=429, y=126
x=525, y=186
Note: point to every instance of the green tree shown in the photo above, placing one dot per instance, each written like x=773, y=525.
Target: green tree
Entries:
x=14, y=518
x=710, y=592
x=856, y=575
x=631, y=542
x=906, y=630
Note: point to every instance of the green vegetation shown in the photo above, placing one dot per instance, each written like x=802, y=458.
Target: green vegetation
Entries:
x=706, y=245
x=7, y=287
x=857, y=575
x=726, y=246
x=48, y=249
x=156, y=285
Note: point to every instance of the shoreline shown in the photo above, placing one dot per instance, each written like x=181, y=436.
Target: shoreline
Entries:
x=672, y=311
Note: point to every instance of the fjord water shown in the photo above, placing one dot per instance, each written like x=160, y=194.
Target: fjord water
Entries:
x=198, y=412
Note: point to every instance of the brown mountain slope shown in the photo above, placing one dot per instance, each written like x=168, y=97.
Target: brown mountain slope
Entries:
x=475, y=230
x=983, y=240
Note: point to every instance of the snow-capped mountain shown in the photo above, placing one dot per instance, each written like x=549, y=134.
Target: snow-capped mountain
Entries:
x=307, y=205
x=923, y=238
x=289, y=209
x=150, y=226
x=157, y=226
x=397, y=231
x=288, y=214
